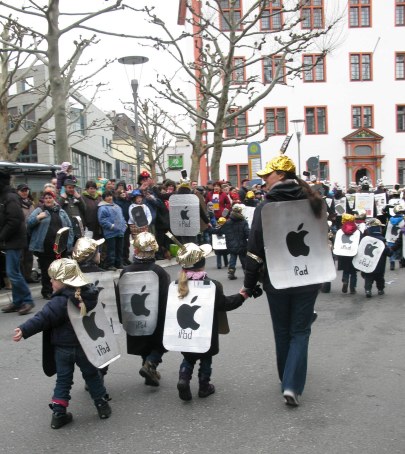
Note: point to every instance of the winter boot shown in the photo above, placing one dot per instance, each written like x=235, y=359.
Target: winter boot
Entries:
x=231, y=274
x=344, y=286
x=183, y=384
x=206, y=388
x=352, y=290
x=60, y=417
x=392, y=266
x=103, y=408
x=150, y=374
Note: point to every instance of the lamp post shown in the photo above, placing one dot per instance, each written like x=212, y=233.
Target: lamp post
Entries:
x=135, y=60
x=298, y=127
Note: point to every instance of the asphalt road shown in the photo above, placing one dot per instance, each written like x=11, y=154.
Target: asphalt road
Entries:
x=353, y=401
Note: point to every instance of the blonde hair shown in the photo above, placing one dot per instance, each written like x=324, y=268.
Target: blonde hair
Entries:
x=182, y=287
x=82, y=306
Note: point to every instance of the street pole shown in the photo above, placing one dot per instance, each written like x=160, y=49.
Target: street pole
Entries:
x=299, y=152
x=138, y=151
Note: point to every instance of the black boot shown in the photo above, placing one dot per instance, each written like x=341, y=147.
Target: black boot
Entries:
x=103, y=408
x=60, y=417
x=150, y=374
x=392, y=266
x=183, y=384
x=206, y=388
x=231, y=274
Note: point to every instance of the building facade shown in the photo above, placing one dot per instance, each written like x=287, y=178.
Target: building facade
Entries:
x=348, y=107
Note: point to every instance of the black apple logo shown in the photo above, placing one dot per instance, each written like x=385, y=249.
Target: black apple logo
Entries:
x=91, y=328
x=138, y=303
x=185, y=315
x=369, y=249
x=394, y=230
x=184, y=214
x=346, y=239
x=296, y=242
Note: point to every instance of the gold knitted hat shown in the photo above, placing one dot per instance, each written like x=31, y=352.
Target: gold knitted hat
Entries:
x=282, y=162
x=347, y=218
x=85, y=248
x=68, y=272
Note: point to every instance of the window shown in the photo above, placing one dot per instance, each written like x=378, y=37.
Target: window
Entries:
x=94, y=169
x=237, y=126
x=322, y=173
x=276, y=121
x=360, y=13
x=29, y=154
x=401, y=118
x=360, y=67
x=272, y=16
x=362, y=117
x=312, y=14
x=400, y=13
x=270, y=65
x=238, y=70
x=230, y=15
x=237, y=173
x=314, y=68
x=400, y=66
x=315, y=120
x=78, y=120
x=27, y=84
x=12, y=117
x=401, y=171
x=29, y=116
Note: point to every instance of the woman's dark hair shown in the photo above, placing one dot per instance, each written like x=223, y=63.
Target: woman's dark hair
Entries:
x=314, y=198
x=107, y=194
x=91, y=184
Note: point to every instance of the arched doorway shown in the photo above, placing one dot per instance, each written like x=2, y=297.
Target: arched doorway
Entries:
x=362, y=173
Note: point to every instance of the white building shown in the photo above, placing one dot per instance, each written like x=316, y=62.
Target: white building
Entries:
x=352, y=102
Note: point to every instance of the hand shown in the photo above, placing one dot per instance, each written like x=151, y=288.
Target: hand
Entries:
x=64, y=195
x=242, y=292
x=42, y=215
x=255, y=292
x=76, y=194
x=17, y=335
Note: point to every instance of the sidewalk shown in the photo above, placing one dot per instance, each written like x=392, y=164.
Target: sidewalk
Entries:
x=6, y=298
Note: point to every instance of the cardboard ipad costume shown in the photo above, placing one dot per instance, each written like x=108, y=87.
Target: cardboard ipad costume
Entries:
x=346, y=245
x=299, y=242
x=184, y=214
x=368, y=254
x=218, y=242
x=139, y=216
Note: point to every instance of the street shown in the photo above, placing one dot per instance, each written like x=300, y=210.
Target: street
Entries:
x=352, y=403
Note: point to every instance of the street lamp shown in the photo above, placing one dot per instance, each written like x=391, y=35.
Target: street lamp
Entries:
x=135, y=60
x=298, y=127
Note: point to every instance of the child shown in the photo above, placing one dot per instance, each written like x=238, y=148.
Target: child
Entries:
x=137, y=200
x=393, y=232
x=374, y=229
x=65, y=173
x=236, y=230
x=149, y=347
x=220, y=252
x=68, y=283
x=192, y=260
x=345, y=263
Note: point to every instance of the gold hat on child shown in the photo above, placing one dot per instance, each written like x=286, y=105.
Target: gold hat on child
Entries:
x=145, y=242
x=85, y=248
x=190, y=254
x=68, y=272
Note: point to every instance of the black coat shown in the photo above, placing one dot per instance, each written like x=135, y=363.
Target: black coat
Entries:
x=236, y=231
x=222, y=304
x=287, y=191
x=13, y=232
x=143, y=345
x=380, y=268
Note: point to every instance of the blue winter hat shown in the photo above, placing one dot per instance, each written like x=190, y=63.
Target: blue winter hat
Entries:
x=136, y=192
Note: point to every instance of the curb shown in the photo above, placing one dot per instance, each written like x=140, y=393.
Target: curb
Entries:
x=6, y=298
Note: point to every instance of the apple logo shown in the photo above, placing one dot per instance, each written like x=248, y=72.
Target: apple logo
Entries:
x=394, y=230
x=346, y=239
x=91, y=328
x=185, y=315
x=296, y=242
x=369, y=249
x=138, y=303
x=184, y=214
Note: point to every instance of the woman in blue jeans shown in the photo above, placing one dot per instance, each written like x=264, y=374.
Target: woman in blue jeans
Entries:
x=291, y=309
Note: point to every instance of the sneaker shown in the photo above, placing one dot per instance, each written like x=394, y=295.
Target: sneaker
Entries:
x=290, y=398
x=150, y=374
x=61, y=419
x=344, y=287
x=183, y=387
x=368, y=294
x=25, y=309
x=381, y=292
x=103, y=409
x=10, y=308
x=352, y=291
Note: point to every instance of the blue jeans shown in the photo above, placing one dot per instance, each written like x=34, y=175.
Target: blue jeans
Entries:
x=20, y=291
x=204, y=370
x=292, y=314
x=115, y=249
x=234, y=257
x=65, y=359
x=350, y=277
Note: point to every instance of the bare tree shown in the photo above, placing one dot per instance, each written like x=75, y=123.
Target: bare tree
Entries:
x=230, y=50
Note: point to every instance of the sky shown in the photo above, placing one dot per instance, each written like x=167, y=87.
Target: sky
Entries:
x=117, y=76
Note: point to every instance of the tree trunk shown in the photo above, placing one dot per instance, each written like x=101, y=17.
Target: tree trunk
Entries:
x=4, y=56
x=58, y=89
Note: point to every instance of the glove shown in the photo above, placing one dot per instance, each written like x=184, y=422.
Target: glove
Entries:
x=255, y=292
